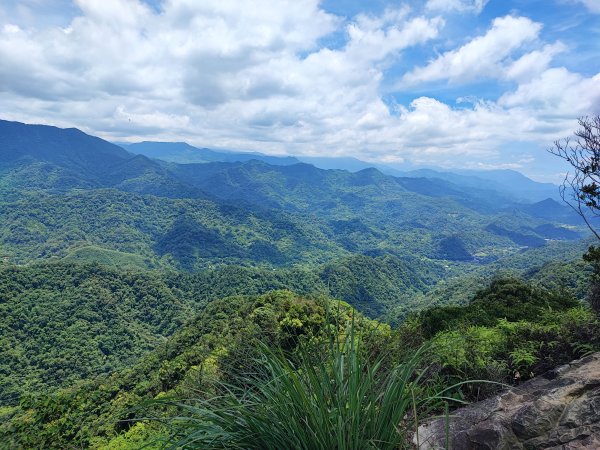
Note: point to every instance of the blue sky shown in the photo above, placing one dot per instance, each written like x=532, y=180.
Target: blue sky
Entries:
x=447, y=83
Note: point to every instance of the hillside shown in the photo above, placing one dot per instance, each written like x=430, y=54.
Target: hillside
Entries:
x=188, y=216
x=177, y=233
x=221, y=342
x=507, y=183
x=40, y=157
x=65, y=322
x=182, y=153
x=225, y=332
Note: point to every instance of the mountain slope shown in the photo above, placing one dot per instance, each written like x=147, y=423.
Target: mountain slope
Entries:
x=508, y=182
x=50, y=158
x=70, y=148
x=61, y=322
x=373, y=204
x=223, y=338
x=283, y=214
x=176, y=233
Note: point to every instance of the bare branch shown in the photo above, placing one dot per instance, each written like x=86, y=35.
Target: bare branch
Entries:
x=581, y=188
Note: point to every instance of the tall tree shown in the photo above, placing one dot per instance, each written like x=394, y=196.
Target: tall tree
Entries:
x=581, y=186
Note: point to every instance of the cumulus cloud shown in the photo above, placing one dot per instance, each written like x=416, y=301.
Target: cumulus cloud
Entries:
x=213, y=69
x=533, y=63
x=480, y=57
x=556, y=91
x=256, y=75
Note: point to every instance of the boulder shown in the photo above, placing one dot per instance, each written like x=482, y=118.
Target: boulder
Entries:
x=557, y=410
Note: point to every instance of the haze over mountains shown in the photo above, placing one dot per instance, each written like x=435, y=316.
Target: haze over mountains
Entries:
x=506, y=181
x=252, y=210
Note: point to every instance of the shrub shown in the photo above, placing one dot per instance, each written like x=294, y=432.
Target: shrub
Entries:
x=343, y=401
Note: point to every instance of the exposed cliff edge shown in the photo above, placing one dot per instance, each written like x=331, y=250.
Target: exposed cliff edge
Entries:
x=557, y=410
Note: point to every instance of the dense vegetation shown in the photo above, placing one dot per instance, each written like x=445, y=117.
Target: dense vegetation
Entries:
x=61, y=323
x=223, y=344
x=69, y=195
x=129, y=284
x=66, y=322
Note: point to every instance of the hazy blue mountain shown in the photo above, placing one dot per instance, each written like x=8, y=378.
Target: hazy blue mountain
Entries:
x=550, y=209
x=252, y=211
x=345, y=163
x=509, y=182
x=55, y=159
x=183, y=153
x=66, y=147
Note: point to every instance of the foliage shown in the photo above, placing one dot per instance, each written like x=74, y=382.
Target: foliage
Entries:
x=509, y=332
x=213, y=344
x=340, y=399
x=506, y=298
x=60, y=323
x=593, y=257
x=66, y=322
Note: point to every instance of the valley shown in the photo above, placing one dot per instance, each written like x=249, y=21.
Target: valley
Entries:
x=123, y=274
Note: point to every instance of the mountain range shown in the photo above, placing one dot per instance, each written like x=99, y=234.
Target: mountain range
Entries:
x=70, y=195
x=506, y=181
x=124, y=276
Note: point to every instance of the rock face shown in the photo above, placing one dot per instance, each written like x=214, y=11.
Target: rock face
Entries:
x=557, y=410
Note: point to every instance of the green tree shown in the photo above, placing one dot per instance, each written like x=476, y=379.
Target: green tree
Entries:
x=581, y=187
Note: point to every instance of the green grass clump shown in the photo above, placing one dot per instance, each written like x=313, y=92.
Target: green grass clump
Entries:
x=338, y=398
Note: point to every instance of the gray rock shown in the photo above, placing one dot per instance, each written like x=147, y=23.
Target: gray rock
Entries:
x=557, y=410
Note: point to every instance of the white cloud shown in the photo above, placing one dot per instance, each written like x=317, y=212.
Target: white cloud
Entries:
x=592, y=5
x=533, y=63
x=558, y=93
x=475, y=6
x=483, y=56
x=254, y=75
x=224, y=73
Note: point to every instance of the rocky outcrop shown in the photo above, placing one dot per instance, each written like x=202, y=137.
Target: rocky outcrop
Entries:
x=557, y=410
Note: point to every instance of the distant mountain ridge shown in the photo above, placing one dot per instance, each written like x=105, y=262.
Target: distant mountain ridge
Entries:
x=246, y=212
x=505, y=181
x=51, y=158
x=183, y=153
x=67, y=147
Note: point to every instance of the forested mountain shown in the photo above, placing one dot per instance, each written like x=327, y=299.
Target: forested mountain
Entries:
x=126, y=278
x=188, y=216
x=62, y=322
x=506, y=182
x=507, y=327
x=39, y=157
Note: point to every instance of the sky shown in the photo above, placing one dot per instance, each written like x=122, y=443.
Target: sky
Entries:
x=480, y=84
